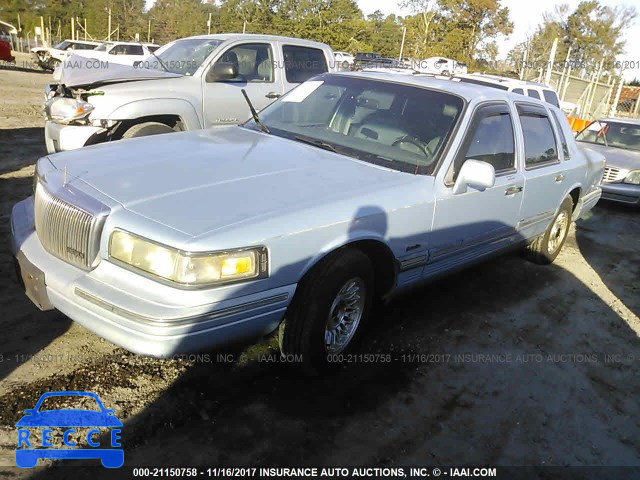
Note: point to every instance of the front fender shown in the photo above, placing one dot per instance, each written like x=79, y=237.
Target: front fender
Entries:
x=150, y=107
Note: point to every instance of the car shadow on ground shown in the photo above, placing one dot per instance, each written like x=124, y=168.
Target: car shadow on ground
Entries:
x=437, y=400
x=19, y=148
x=619, y=272
x=25, y=329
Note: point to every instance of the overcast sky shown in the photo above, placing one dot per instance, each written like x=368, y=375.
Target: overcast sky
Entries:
x=526, y=15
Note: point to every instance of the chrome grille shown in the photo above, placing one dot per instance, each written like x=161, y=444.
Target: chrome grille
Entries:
x=611, y=174
x=63, y=229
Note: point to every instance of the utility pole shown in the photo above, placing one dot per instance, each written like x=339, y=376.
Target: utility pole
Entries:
x=73, y=29
x=564, y=69
x=85, y=28
x=19, y=34
x=109, y=26
x=244, y=27
x=404, y=34
x=524, y=64
x=149, y=32
x=209, y=24
x=42, y=32
x=552, y=57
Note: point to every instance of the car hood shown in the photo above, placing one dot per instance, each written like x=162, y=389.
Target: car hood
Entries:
x=617, y=157
x=201, y=181
x=69, y=418
x=71, y=73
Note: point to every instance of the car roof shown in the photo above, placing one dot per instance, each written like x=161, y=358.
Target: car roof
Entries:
x=505, y=81
x=468, y=91
x=113, y=42
x=88, y=42
x=257, y=37
x=630, y=121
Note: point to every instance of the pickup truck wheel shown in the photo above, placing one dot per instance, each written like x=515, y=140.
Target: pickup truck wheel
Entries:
x=328, y=311
x=147, y=128
x=544, y=249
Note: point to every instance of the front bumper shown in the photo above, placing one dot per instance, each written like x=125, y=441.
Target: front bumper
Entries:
x=59, y=137
x=621, y=192
x=111, y=302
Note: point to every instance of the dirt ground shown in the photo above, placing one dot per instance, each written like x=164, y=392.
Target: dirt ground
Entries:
x=508, y=363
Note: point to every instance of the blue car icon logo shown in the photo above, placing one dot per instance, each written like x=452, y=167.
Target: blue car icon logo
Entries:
x=68, y=420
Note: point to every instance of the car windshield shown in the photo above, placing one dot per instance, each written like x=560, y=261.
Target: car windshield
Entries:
x=77, y=402
x=401, y=127
x=182, y=56
x=103, y=47
x=62, y=45
x=612, y=134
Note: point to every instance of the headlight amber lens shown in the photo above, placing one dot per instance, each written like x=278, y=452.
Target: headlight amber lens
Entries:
x=175, y=266
x=68, y=109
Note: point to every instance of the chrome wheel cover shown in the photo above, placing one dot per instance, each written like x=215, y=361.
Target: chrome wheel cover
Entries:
x=345, y=315
x=558, y=232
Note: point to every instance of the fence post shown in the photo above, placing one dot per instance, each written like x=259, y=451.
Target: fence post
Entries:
x=614, y=107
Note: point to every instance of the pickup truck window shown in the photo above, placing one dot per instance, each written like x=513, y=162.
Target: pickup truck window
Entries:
x=254, y=62
x=490, y=139
x=533, y=93
x=397, y=126
x=539, y=140
x=551, y=97
x=563, y=139
x=518, y=91
x=302, y=63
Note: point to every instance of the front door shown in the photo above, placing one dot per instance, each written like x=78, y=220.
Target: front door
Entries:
x=223, y=102
x=475, y=223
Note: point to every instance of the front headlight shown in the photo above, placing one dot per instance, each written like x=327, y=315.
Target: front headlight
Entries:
x=188, y=269
x=633, y=177
x=66, y=110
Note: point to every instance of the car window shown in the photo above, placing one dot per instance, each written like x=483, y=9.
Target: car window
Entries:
x=118, y=50
x=533, y=93
x=302, y=63
x=254, y=62
x=551, y=97
x=612, y=134
x=518, y=91
x=134, y=50
x=563, y=139
x=84, y=46
x=490, y=139
x=153, y=48
x=539, y=140
x=58, y=402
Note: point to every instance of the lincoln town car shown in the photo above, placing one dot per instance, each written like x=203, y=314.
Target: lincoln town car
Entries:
x=348, y=189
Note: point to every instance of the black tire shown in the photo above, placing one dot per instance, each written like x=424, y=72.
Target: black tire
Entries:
x=306, y=321
x=446, y=73
x=345, y=65
x=544, y=249
x=147, y=128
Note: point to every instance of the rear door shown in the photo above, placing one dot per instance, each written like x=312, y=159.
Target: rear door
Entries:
x=223, y=102
x=544, y=172
x=475, y=223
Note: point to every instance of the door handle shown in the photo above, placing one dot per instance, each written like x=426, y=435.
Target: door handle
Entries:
x=512, y=190
x=273, y=95
x=559, y=177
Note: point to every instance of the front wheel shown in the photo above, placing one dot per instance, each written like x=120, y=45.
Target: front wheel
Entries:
x=544, y=249
x=329, y=310
x=147, y=128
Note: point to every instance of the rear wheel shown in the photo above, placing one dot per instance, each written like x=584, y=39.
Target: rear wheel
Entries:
x=330, y=307
x=544, y=249
x=147, y=128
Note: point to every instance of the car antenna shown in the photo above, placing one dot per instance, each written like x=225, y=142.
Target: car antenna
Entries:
x=254, y=114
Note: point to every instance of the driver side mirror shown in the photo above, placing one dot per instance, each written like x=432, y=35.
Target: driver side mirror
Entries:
x=222, y=71
x=475, y=174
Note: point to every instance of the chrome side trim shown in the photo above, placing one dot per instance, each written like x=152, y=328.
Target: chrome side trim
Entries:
x=413, y=262
x=528, y=222
x=164, y=322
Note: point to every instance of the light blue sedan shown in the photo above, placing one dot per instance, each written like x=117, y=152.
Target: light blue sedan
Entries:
x=349, y=188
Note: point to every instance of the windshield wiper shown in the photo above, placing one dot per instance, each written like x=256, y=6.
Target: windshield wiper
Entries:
x=254, y=114
x=316, y=143
x=164, y=67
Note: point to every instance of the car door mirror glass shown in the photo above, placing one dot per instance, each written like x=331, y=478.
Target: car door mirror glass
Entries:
x=222, y=72
x=476, y=174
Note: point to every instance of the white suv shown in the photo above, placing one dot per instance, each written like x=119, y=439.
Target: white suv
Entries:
x=125, y=53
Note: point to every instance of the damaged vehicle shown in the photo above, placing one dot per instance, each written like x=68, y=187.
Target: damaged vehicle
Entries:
x=350, y=188
x=49, y=58
x=188, y=84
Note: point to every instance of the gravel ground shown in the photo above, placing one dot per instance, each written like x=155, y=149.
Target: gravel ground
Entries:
x=508, y=363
